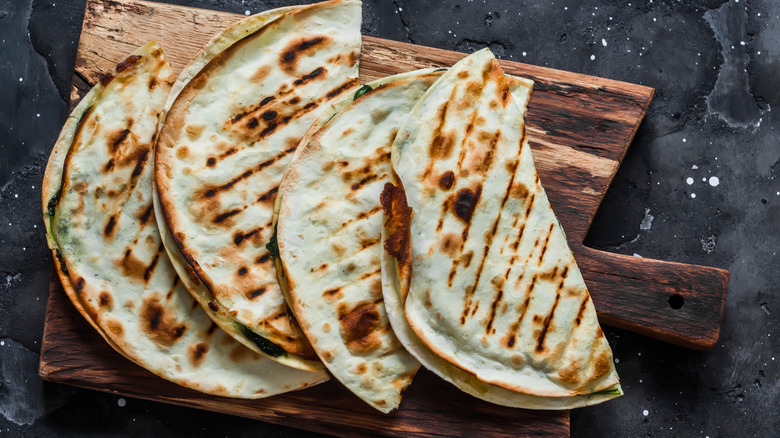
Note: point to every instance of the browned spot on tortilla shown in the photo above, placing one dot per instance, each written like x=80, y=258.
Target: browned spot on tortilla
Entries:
x=359, y=327
x=581, y=312
x=549, y=275
x=182, y=152
x=361, y=368
x=132, y=266
x=243, y=270
x=261, y=74
x=546, y=324
x=327, y=355
x=570, y=374
x=145, y=214
x=442, y=145
x=263, y=259
x=341, y=88
x=269, y=196
x=602, y=364
x=197, y=353
x=211, y=162
x=519, y=191
x=108, y=231
x=255, y=293
x=149, y=269
x=427, y=299
x=240, y=236
x=116, y=139
x=546, y=241
x=288, y=60
x=463, y=74
x=446, y=180
x=115, y=327
x=450, y=244
x=127, y=63
x=332, y=293
x=338, y=248
x=240, y=353
x=159, y=323
x=105, y=299
x=464, y=203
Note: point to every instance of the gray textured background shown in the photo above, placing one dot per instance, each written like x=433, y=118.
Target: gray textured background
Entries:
x=716, y=70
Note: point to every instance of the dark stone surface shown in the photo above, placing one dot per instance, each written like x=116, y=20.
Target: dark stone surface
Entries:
x=716, y=70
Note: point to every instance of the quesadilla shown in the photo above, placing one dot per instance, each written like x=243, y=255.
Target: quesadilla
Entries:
x=227, y=137
x=97, y=202
x=483, y=273
x=329, y=230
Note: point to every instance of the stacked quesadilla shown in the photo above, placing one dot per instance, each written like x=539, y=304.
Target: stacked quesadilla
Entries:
x=410, y=226
x=233, y=123
x=481, y=285
x=97, y=199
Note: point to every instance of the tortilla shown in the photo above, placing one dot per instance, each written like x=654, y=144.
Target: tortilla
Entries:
x=486, y=277
x=97, y=205
x=329, y=230
x=227, y=137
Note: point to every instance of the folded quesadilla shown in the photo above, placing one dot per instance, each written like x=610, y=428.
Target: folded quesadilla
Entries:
x=233, y=123
x=97, y=201
x=483, y=274
x=329, y=229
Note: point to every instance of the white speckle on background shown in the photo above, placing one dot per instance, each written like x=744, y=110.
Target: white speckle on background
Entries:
x=708, y=244
x=524, y=53
x=741, y=43
x=689, y=180
x=685, y=139
x=246, y=12
x=647, y=221
x=20, y=79
x=693, y=195
x=604, y=42
x=617, y=360
x=592, y=57
x=694, y=167
x=121, y=402
x=714, y=181
x=637, y=255
x=645, y=413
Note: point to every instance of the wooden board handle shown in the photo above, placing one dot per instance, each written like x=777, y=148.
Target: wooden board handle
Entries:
x=676, y=303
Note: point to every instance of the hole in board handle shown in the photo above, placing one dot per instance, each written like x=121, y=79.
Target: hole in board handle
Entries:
x=676, y=301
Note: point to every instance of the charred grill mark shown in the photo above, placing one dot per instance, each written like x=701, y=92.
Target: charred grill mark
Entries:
x=493, y=307
x=544, y=247
x=150, y=269
x=255, y=293
x=146, y=214
x=139, y=165
x=212, y=328
x=80, y=283
x=530, y=205
x=331, y=292
x=289, y=56
x=465, y=202
x=434, y=149
x=369, y=274
x=240, y=236
x=580, y=312
x=108, y=231
x=130, y=61
x=446, y=180
x=243, y=270
x=211, y=162
x=360, y=216
x=211, y=192
x=237, y=118
x=109, y=165
x=356, y=186
x=547, y=320
x=263, y=259
x=319, y=71
x=341, y=88
x=226, y=215
x=117, y=140
x=269, y=195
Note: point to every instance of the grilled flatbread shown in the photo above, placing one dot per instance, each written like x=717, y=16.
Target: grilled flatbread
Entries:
x=329, y=231
x=97, y=200
x=485, y=276
x=227, y=137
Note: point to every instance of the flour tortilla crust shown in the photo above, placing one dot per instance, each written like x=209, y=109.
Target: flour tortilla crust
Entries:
x=231, y=128
x=495, y=289
x=96, y=197
x=329, y=231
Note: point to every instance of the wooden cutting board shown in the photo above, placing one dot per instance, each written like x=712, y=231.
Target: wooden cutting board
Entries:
x=580, y=128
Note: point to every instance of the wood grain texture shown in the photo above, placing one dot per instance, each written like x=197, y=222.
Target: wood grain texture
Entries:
x=580, y=128
x=431, y=407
